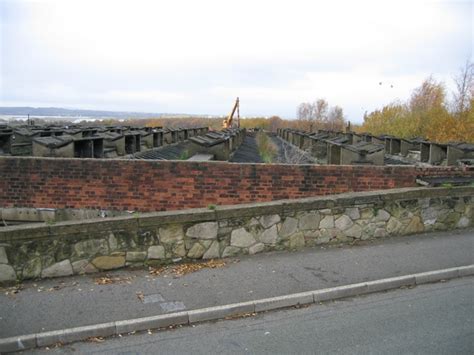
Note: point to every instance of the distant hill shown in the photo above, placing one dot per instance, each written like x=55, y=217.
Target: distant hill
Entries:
x=56, y=111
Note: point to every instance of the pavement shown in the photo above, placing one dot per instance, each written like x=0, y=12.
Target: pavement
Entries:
x=62, y=303
x=429, y=319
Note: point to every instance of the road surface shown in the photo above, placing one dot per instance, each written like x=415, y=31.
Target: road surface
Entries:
x=429, y=319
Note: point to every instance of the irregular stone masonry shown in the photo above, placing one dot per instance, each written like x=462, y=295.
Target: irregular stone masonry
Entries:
x=67, y=248
x=149, y=186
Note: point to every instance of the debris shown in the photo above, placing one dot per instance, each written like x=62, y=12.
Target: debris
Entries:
x=298, y=306
x=12, y=291
x=107, y=280
x=61, y=285
x=140, y=296
x=241, y=315
x=186, y=268
x=95, y=339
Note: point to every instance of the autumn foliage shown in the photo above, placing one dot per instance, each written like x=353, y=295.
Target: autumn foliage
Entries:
x=428, y=113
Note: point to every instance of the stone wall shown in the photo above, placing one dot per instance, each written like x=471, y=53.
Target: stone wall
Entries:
x=149, y=186
x=21, y=215
x=74, y=247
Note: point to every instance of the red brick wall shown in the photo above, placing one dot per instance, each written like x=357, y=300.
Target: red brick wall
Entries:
x=154, y=186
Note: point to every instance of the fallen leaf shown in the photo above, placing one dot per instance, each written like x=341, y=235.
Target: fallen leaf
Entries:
x=95, y=339
x=12, y=291
x=140, y=296
x=108, y=280
x=241, y=315
x=57, y=287
x=186, y=268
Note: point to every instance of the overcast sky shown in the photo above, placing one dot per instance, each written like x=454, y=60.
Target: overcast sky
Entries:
x=196, y=56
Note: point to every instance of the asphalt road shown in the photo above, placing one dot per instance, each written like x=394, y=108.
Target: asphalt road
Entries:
x=75, y=301
x=430, y=319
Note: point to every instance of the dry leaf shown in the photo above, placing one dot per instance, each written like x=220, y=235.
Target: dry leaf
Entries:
x=140, y=296
x=57, y=287
x=241, y=315
x=12, y=291
x=95, y=339
x=107, y=280
x=186, y=268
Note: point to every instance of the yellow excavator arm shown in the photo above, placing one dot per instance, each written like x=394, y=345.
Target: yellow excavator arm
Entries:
x=227, y=123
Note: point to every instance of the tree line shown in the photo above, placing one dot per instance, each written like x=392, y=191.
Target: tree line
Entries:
x=429, y=112
x=319, y=115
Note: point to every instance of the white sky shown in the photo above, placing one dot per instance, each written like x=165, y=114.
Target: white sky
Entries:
x=196, y=56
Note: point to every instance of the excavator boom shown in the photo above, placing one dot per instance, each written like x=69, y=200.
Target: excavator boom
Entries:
x=227, y=123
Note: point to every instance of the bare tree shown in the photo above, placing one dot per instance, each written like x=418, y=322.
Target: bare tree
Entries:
x=304, y=111
x=321, y=110
x=319, y=115
x=314, y=114
x=305, y=114
x=336, y=120
x=464, y=89
x=274, y=123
